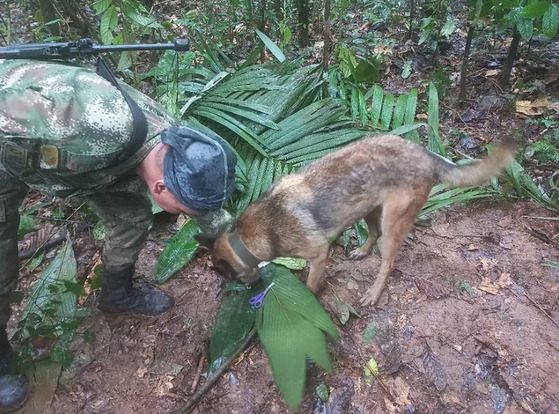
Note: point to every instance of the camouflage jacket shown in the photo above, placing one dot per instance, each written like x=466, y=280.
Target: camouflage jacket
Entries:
x=79, y=114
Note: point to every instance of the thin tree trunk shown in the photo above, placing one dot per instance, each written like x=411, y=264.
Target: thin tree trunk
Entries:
x=49, y=14
x=509, y=63
x=277, y=10
x=326, y=49
x=341, y=22
x=412, y=16
x=262, y=25
x=465, y=62
x=303, y=22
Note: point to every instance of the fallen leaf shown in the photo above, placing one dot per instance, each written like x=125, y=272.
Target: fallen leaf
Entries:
x=433, y=369
x=402, y=392
x=532, y=108
x=487, y=286
x=352, y=284
x=492, y=72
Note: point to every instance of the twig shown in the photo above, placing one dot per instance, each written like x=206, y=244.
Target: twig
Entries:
x=26, y=254
x=198, y=373
x=535, y=304
x=51, y=236
x=542, y=218
x=191, y=403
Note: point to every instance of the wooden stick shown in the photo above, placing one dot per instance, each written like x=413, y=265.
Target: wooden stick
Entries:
x=536, y=305
x=198, y=373
x=191, y=403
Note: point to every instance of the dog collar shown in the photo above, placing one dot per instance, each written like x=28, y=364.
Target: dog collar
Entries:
x=241, y=250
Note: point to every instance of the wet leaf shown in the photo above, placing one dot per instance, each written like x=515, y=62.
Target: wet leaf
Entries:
x=291, y=327
x=36, y=262
x=344, y=310
x=322, y=392
x=372, y=367
x=433, y=369
x=234, y=321
x=177, y=253
x=26, y=225
x=291, y=263
x=99, y=231
x=49, y=302
x=370, y=332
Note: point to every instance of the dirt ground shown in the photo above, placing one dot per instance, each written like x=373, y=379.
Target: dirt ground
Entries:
x=468, y=324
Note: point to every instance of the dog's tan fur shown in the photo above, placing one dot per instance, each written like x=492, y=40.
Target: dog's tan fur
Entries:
x=385, y=180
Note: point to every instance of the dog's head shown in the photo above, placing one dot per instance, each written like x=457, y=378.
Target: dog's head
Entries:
x=228, y=264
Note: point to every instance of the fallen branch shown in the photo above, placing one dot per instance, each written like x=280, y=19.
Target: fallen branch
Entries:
x=535, y=304
x=49, y=244
x=191, y=403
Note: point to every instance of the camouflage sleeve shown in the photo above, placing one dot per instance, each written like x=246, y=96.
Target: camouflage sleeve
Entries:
x=215, y=222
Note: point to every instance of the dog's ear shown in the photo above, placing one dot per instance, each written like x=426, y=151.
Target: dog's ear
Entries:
x=206, y=242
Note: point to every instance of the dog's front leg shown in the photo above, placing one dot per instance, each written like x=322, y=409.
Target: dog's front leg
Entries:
x=316, y=271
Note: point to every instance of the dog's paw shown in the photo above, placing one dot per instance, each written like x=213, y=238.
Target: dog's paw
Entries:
x=371, y=297
x=357, y=254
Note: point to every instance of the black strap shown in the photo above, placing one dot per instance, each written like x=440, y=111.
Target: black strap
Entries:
x=241, y=250
x=139, y=125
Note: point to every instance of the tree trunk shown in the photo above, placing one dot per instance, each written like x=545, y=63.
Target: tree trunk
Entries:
x=303, y=21
x=465, y=61
x=49, y=14
x=412, y=16
x=326, y=48
x=509, y=63
x=277, y=10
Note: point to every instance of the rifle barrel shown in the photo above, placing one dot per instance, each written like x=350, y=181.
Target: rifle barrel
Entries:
x=63, y=50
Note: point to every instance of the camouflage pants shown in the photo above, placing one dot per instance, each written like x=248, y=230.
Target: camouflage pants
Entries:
x=126, y=216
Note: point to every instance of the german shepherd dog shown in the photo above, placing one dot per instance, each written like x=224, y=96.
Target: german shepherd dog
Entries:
x=385, y=180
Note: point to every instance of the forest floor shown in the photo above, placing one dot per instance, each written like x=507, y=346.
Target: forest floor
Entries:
x=469, y=321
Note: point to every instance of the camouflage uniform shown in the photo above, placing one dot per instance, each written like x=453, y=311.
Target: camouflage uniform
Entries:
x=61, y=128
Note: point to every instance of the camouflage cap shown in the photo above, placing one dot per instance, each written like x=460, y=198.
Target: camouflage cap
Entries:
x=199, y=168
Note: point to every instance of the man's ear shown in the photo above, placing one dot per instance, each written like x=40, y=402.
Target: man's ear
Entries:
x=159, y=186
x=206, y=242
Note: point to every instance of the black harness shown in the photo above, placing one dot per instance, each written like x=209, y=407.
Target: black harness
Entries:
x=139, y=122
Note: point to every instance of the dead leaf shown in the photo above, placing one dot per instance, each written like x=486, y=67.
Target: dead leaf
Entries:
x=142, y=371
x=492, y=72
x=389, y=406
x=433, y=369
x=532, y=108
x=504, y=281
x=352, y=284
x=402, y=391
x=487, y=286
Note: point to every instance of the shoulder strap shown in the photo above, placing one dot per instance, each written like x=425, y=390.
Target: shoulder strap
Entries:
x=139, y=126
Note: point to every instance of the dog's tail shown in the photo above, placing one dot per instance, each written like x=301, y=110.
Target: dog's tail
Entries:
x=477, y=172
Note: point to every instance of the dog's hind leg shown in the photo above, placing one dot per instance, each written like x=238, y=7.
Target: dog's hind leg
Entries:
x=317, y=266
x=399, y=215
x=375, y=231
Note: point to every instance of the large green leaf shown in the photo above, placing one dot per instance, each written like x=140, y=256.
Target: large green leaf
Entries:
x=291, y=327
x=50, y=300
x=178, y=252
x=434, y=141
x=550, y=21
x=535, y=9
x=441, y=196
x=276, y=51
x=234, y=321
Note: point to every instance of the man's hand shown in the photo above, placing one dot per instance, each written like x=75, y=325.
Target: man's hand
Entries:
x=214, y=223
